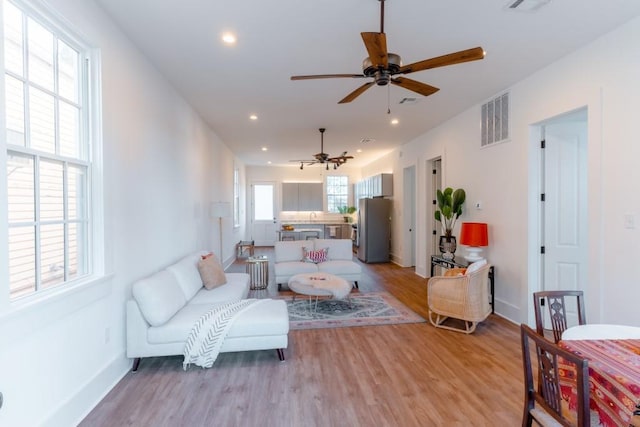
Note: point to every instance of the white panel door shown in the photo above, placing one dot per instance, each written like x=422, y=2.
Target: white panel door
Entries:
x=263, y=213
x=565, y=208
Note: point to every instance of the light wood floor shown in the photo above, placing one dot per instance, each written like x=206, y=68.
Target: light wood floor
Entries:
x=395, y=375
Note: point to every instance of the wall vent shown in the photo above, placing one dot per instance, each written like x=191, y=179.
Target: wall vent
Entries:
x=367, y=140
x=408, y=101
x=526, y=5
x=495, y=120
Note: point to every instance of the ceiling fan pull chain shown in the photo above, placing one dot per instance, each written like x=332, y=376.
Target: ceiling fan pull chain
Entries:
x=388, y=97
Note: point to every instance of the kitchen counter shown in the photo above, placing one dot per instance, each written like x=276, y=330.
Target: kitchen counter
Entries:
x=325, y=230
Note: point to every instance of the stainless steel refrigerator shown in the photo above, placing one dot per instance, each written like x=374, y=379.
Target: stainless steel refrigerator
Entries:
x=374, y=229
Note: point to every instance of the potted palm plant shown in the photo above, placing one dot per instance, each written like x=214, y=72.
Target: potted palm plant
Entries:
x=347, y=211
x=449, y=209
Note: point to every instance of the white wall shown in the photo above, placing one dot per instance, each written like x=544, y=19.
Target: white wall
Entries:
x=280, y=174
x=603, y=77
x=162, y=168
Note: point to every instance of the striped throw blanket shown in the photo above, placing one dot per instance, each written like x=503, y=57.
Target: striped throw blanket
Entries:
x=208, y=334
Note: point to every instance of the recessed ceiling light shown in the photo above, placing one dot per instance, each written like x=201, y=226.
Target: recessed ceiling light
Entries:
x=264, y=148
x=229, y=38
x=269, y=162
x=358, y=151
x=253, y=117
x=394, y=122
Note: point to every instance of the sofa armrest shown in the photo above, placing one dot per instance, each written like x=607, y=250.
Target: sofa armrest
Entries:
x=137, y=328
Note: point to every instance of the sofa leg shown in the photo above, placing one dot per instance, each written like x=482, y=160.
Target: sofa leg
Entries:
x=279, y=286
x=281, y=354
x=136, y=363
x=356, y=283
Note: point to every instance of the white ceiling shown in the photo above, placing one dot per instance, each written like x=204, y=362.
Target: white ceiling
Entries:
x=281, y=38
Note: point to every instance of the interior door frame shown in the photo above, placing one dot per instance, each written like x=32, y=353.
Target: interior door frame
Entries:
x=409, y=216
x=536, y=261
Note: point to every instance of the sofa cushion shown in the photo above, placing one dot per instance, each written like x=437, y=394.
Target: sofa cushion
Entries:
x=295, y=267
x=338, y=248
x=186, y=273
x=236, y=288
x=211, y=271
x=159, y=297
x=340, y=267
x=269, y=318
x=290, y=250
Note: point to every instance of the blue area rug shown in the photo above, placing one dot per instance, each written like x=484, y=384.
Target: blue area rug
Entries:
x=375, y=308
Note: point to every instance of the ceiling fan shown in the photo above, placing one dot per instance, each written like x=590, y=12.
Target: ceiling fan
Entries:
x=323, y=158
x=383, y=65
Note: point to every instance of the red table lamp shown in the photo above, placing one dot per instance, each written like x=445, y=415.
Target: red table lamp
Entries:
x=474, y=235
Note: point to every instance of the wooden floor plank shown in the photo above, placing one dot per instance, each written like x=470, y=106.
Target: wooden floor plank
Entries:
x=392, y=375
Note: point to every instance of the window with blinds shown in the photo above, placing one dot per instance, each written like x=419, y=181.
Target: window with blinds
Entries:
x=495, y=121
x=48, y=153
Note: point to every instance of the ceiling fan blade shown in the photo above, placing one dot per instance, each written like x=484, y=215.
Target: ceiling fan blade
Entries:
x=356, y=93
x=419, y=87
x=444, y=60
x=376, y=44
x=327, y=76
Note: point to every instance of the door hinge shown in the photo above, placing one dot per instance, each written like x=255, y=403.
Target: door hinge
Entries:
x=543, y=144
x=434, y=232
x=542, y=197
x=434, y=171
x=434, y=202
x=542, y=250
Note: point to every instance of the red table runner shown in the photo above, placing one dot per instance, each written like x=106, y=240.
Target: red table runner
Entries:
x=614, y=377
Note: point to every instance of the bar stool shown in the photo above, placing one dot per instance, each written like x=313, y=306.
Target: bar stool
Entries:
x=310, y=235
x=287, y=236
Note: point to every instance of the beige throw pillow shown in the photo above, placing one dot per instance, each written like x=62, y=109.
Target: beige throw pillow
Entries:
x=211, y=272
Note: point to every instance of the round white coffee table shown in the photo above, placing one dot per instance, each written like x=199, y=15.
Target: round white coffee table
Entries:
x=319, y=285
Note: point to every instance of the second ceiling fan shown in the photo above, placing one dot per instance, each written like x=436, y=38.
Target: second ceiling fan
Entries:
x=382, y=65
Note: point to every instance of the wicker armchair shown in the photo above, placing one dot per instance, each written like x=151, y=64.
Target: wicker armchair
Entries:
x=463, y=297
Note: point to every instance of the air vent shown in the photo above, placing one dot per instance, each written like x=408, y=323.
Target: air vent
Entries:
x=526, y=5
x=408, y=101
x=495, y=121
x=367, y=140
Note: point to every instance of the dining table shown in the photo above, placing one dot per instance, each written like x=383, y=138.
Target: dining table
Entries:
x=613, y=354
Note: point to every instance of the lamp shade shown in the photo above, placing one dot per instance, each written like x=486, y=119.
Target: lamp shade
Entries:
x=474, y=234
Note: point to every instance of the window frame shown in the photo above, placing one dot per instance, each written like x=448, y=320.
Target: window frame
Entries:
x=88, y=159
x=332, y=207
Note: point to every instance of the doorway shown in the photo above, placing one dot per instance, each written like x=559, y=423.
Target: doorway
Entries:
x=263, y=213
x=409, y=210
x=434, y=183
x=563, y=204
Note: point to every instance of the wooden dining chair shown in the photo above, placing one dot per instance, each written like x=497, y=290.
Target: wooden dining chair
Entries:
x=543, y=402
x=556, y=303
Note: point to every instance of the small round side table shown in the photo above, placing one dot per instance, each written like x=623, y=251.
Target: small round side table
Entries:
x=258, y=270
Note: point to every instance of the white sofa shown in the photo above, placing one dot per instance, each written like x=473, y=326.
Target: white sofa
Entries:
x=289, y=259
x=167, y=304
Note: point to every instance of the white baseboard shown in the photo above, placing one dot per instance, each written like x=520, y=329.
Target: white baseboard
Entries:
x=77, y=407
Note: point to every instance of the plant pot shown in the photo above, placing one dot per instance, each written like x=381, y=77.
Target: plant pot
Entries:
x=448, y=246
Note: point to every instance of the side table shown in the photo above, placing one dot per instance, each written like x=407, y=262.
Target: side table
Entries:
x=463, y=263
x=258, y=270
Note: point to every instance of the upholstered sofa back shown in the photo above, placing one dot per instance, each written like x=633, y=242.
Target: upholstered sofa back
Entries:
x=289, y=251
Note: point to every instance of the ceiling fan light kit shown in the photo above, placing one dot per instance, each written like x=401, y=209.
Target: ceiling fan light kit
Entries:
x=324, y=158
x=382, y=65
